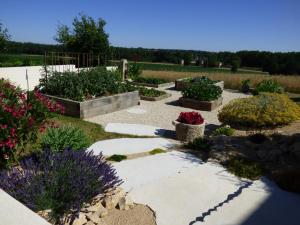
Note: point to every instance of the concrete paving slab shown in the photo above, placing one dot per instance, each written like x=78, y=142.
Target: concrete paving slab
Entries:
x=134, y=129
x=125, y=146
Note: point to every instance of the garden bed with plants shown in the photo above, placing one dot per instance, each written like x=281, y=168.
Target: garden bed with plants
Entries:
x=152, y=82
x=201, y=96
x=89, y=93
x=151, y=94
x=181, y=84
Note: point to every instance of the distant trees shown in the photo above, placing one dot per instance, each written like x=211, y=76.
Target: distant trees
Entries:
x=4, y=37
x=235, y=63
x=86, y=36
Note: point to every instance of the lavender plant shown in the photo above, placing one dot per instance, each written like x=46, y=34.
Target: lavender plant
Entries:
x=60, y=181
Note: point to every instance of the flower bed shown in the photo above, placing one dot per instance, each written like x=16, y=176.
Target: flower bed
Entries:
x=89, y=93
x=152, y=94
x=151, y=82
x=181, y=84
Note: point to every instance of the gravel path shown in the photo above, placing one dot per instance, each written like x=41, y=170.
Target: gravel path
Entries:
x=160, y=113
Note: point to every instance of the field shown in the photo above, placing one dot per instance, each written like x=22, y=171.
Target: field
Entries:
x=231, y=80
x=8, y=60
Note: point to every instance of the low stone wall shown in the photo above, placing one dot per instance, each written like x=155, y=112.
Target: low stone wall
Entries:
x=147, y=98
x=181, y=84
x=200, y=105
x=98, y=106
x=154, y=85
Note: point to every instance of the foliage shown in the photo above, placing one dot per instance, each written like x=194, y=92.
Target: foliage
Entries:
x=4, y=37
x=203, y=80
x=269, y=86
x=193, y=118
x=86, y=36
x=117, y=158
x=60, y=181
x=288, y=179
x=20, y=116
x=150, y=80
x=9, y=60
x=84, y=85
x=199, y=144
x=246, y=86
x=157, y=151
x=151, y=92
x=202, y=92
x=258, y=138
x=58, y=139
x=226, y=130
x=245, y=168
x=261, y=111
x=235, y=64
x=134, y=71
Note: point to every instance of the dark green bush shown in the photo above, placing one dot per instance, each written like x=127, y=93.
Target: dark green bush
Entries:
x=269, y=86
x=134, y=71
x=202, y=80
x=202, y=92
x=199, y=144
x=288, y=179
x=228, y=131
x=246, y=86
x=84, y=85
x=245, y=168
x=150, y=92
x=150, y=80
x=64, y=137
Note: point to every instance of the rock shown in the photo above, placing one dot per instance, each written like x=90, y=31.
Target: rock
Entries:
x=45, y=214
x=90, y=223
x=101, y=212
x=95, y=207
x=80, y=220
x=125, y=203
x=94, y=218
x=112, y=198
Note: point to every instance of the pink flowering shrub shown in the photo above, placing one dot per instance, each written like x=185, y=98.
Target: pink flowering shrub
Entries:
x=193, y=118
x=20, y=117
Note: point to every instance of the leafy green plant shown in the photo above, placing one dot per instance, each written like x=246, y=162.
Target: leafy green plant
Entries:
x=134, y=71
x=199, y=144
x=150, y=80
x=157, y=151
x=226, y=130
x=261, y=111
x=288, y=179
x=58, y=139
x=245, y=168
x=202, y=80
x=246, y=86
x=117, y=158
x=151, y=92
x=269, y=86
x=202, y=92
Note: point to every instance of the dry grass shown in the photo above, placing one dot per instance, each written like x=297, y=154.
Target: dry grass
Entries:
x=232, y=81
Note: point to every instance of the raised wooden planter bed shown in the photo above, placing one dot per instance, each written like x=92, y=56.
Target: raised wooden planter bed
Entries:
x=147, y=98
x=200, y=105
x=98, y=106
x=153, y=85
x=181, y=84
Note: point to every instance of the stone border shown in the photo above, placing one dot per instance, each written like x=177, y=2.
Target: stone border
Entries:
x=98, y=106
x=153, y=85
x=147, y=98
x=180, y=84
x=200, y=105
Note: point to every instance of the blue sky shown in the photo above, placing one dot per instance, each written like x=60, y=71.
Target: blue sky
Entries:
x=213, y=25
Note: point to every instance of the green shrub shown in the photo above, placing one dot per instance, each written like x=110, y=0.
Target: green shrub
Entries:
x=117, y=158
x=288, y=179
x=227, y=131
x=150, y=80
x=245, y=168
x=202, y=80
x=202, y=92
x=157, y=151
x=261, y=111
x=246, y=86
x=134, y=71
x=64, y=137
x=199, y=144
x=84, y=85
x=269, y=86
x=150, y=92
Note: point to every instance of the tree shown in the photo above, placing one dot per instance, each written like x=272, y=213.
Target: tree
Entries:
x=87, y=36
x=235, y=64
x=4, y=37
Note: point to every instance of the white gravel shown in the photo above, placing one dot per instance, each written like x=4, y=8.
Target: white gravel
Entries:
x=160, y=113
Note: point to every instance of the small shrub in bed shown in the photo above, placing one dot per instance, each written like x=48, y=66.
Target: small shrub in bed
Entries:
x=60, y=181
x=271, y=86
x=202, y=80
x=199, y=144
x=134, y=71
x=288, y=179
x=226, y=130
x=261, y=111
x=151, y=92
x=245, y=168
x=84, y=85
x=150, y=80
x=192, y=118
x=202, y=92
x=246, y=86
x=58, y=139
x=117, y=158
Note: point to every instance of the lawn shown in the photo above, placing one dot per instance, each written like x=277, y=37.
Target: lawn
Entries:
x=9, y=60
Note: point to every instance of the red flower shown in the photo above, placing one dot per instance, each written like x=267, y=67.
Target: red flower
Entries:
x=193, y=118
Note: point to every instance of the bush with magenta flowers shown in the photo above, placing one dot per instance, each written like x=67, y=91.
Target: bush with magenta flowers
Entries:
x=20, y=116
x=60, y=181
x=193, y=118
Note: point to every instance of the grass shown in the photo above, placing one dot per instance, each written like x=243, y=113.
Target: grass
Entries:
x=231, y=81
x=194, y=69
x=9, y=60
x=117, y=158
x=157, y=151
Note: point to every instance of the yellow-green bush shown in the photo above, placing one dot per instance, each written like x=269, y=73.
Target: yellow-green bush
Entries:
x=261, y=111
